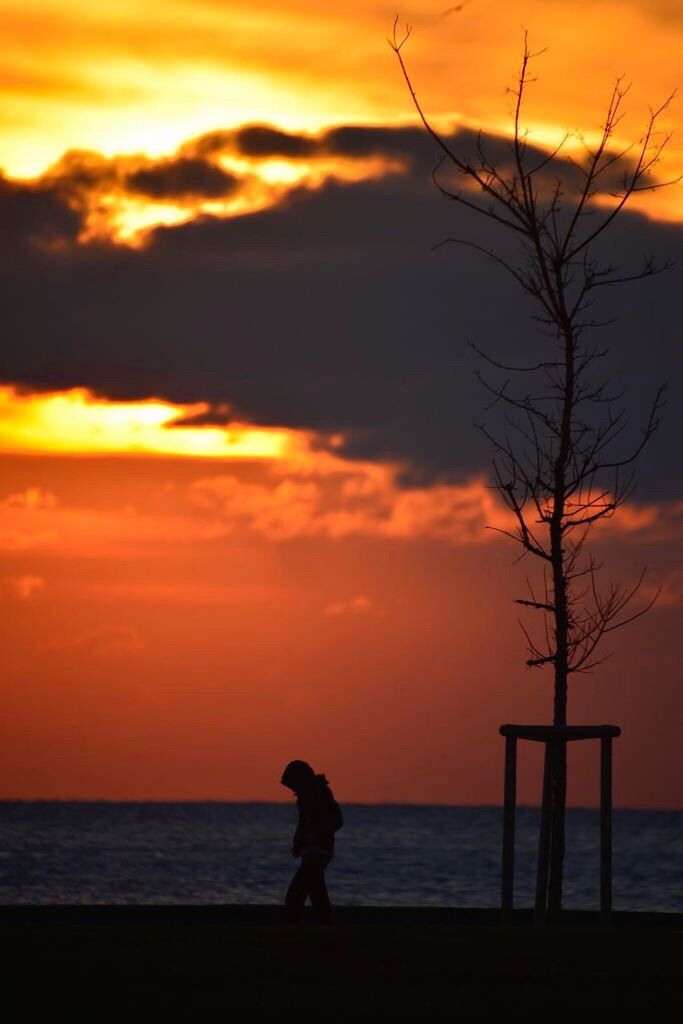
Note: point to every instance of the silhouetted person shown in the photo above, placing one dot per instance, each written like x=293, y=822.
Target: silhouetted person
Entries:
x=319, y=818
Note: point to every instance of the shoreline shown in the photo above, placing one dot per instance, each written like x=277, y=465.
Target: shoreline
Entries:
x=253, y=914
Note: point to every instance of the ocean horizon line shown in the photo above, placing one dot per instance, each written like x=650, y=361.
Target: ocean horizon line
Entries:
x=251, y=802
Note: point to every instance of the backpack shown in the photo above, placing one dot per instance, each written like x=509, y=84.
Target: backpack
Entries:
x=334, y=819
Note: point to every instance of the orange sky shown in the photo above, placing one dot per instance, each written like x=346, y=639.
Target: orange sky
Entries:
x=176, y=630
x=122, y=77
x=188, y=608
x=125, y=78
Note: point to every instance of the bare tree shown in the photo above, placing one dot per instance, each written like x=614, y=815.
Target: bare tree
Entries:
x=557, y=463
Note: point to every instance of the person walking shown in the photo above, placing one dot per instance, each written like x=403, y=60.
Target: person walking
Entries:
x=319, y=818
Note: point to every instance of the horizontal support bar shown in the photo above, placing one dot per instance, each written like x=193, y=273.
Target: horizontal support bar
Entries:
x=543, y=733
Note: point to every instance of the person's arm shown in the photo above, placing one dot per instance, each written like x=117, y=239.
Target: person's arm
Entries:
x=300, y=833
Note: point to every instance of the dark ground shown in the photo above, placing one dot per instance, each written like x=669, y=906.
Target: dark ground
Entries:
x=197, y=964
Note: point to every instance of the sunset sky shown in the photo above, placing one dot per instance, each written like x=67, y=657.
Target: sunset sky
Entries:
x=244, y=507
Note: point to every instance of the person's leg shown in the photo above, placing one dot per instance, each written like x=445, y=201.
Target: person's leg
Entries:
x=296, y=894
x=320, y=899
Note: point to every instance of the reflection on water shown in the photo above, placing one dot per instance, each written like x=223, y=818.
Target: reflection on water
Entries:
x=386, y=855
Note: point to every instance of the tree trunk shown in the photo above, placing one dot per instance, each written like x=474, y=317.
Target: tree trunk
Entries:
x=559, y=758
x=559, y=800
x=562, y=624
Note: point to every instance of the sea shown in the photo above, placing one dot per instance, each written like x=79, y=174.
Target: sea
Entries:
x=386, y=855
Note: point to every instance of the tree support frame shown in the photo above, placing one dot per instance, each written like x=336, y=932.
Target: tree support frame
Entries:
x=555, y=737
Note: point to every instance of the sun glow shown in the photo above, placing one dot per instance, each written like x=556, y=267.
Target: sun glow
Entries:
x=113, y=211
x=128, y=221
x=76, y=422
x=129, y=77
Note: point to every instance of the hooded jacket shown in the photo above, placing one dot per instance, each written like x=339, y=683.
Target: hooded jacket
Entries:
x=319, y=818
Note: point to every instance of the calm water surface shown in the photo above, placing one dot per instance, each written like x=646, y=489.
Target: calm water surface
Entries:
x=386, y=855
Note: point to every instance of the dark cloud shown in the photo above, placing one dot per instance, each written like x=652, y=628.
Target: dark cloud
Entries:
x=34, y=213
x=365, y=141
x=215, y=415
x=81, y=178
x=352, y=141
x=261, y=141
x=81, y=170
x=333, y=312
x=412, y=147
x=182, y=177
x=264, y=141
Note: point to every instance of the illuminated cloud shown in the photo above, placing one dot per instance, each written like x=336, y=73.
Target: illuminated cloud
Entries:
x=327, y=314
x=659, y=523
x=31, y=498
x=285, y=511
x=230, y=173
x=290, y=508
x=364, y=500
x=222, y=174
x=667, y=594
x=102, y=642
x=118, y=199
x=78, y=422
x=359, y=605
x=26, y=520
x=312, y=494
x=145, y=79
x=24, y=587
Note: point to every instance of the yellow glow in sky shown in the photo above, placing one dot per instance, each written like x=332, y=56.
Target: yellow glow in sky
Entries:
x=75, y=422
x=127, y=77
x=110, y=213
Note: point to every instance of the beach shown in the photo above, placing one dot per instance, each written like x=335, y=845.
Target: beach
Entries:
x=190, y=963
